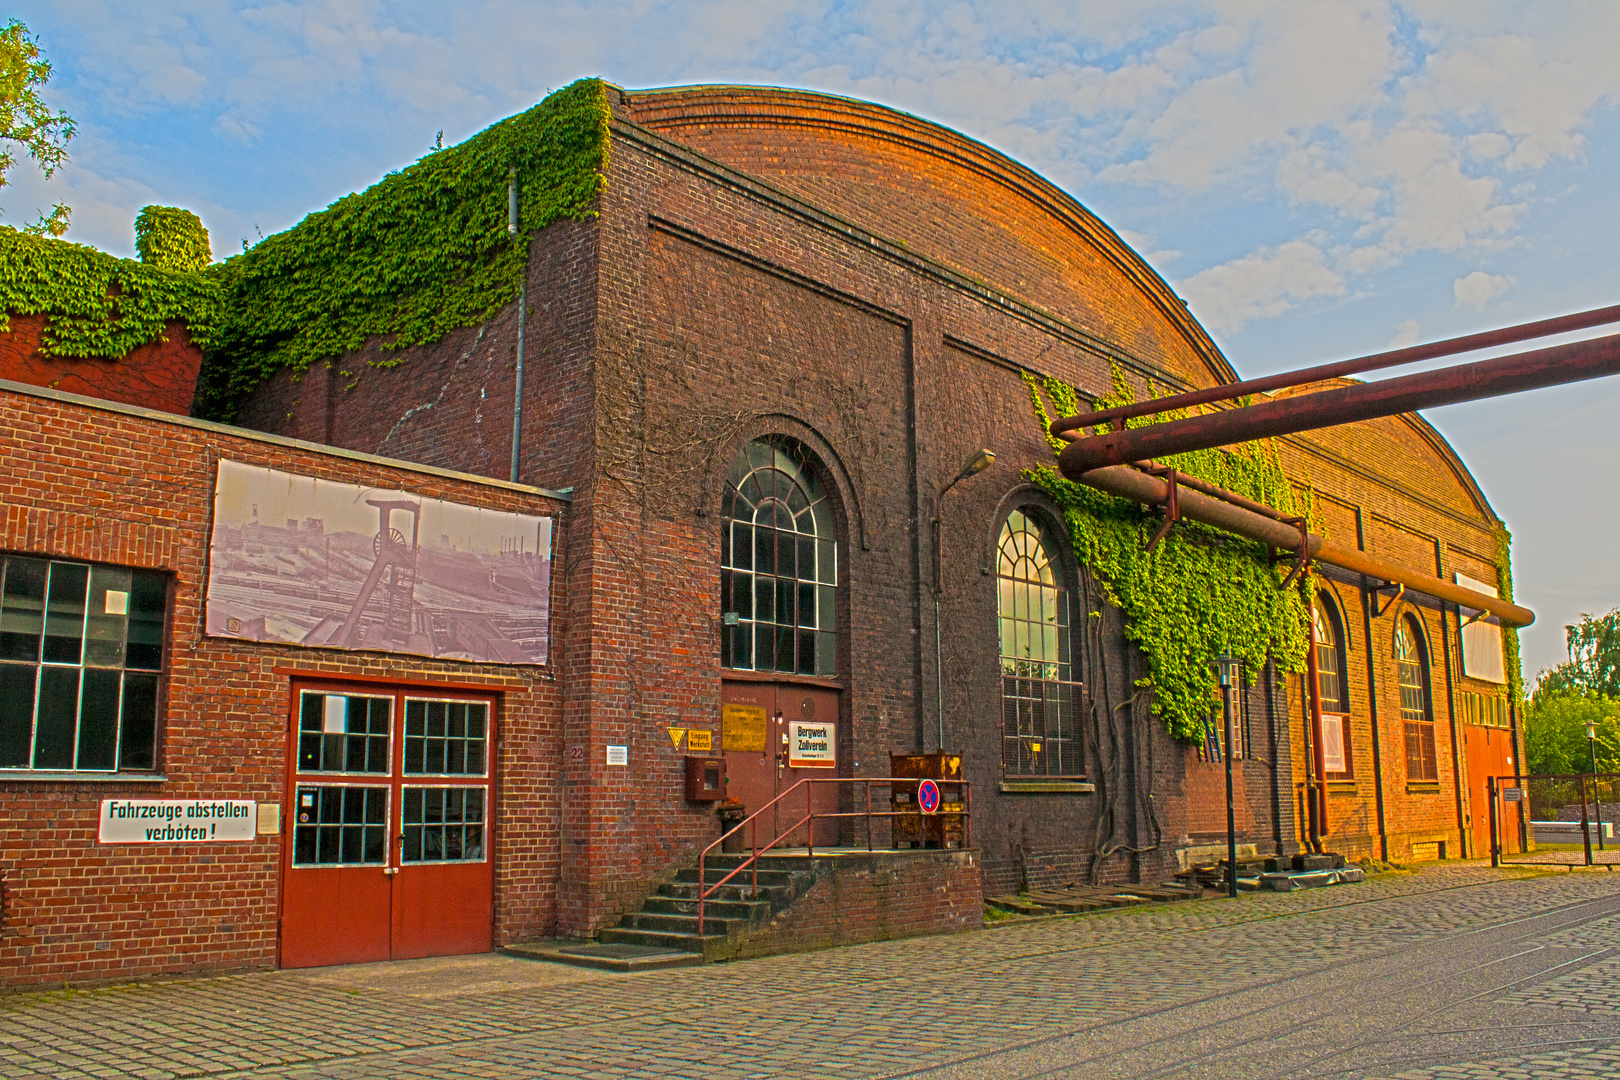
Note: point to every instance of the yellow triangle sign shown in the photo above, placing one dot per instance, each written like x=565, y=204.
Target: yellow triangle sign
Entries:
x=676, y=734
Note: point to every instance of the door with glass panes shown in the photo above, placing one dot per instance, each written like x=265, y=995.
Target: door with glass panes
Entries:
x=388, y=828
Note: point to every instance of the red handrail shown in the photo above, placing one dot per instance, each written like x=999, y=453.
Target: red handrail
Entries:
x=705, y=890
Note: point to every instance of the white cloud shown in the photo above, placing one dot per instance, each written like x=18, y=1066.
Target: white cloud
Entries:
x=1479, y=288
x=1405, y=334
x=1260, y=285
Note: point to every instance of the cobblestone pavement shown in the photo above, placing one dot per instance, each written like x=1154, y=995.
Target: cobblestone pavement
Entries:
x=1456, y=971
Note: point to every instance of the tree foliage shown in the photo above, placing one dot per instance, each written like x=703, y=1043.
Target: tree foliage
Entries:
x=1555, y=734
x=172, y=239
x=1593, y=667
x=26, y=122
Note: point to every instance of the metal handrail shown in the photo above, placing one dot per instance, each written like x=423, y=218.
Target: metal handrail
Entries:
x=705, y=890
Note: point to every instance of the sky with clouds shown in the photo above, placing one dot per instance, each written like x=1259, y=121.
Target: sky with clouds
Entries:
x=1319, y=178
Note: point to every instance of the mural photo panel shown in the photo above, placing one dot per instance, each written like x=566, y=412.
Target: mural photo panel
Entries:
x=298, y=561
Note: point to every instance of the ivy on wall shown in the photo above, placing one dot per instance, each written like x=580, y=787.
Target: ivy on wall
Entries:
x=1510, y=634
x=422, y=252
x=98, y=304
x=172, y=239
x=1201, y=591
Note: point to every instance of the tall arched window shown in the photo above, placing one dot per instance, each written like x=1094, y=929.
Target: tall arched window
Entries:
x=1331, y=675
x=1040, y=702
x=1412, y=676
x=779, y=564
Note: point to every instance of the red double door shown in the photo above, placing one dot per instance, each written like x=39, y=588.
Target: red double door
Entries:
x=388, y=826
x=754, y=778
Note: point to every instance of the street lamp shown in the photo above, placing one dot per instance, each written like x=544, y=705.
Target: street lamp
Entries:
x=1591, y=744
x=977, y=464
x=1228, y=670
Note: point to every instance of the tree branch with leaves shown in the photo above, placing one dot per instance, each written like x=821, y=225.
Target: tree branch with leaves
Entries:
x=27, y=122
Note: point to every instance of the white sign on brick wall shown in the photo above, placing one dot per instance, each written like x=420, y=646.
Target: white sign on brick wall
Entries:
x=176, y=821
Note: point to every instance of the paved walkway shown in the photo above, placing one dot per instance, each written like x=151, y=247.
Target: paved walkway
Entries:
x=1457, y=971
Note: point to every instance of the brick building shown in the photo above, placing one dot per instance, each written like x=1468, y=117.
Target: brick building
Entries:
x=754, y=376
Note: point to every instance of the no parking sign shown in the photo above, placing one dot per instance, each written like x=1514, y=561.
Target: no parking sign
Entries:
x=928, y=797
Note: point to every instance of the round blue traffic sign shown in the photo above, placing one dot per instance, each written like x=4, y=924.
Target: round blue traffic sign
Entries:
x=928, y=796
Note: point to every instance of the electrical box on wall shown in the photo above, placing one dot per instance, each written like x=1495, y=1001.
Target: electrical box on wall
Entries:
x=705, y=779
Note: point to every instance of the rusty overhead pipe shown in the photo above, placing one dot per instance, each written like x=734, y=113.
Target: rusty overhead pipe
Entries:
x=1553, y=366
x=1411, y=354
x=1194, y=505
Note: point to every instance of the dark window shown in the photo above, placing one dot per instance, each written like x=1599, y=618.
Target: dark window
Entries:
x=81, y=650
x=778, y=565
x=1040, y=702
x=1412, y=676
x=1331, y=674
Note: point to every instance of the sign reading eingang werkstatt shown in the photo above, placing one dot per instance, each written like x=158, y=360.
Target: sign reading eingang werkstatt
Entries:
x=176, y=821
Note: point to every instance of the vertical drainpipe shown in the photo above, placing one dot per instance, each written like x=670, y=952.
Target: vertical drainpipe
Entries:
x=1368, y=598
x=512, y=229
x=1451, y=707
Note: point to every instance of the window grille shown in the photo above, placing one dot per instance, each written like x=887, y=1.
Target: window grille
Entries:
x=81, y=652
x=1331, y=672
x=1041, y=703
x=779, y=565
x=1412, y=676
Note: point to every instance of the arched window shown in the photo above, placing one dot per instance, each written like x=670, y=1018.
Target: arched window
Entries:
x=1040, y=702
x=1331, y=672
x=779, y=564
x=1412, y=676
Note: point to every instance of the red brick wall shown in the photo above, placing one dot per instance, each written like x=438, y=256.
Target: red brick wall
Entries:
x=82, y=482
x=158, y=375
x=877, y=899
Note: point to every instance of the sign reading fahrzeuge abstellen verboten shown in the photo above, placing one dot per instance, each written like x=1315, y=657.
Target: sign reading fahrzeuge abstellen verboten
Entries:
x=171, y=821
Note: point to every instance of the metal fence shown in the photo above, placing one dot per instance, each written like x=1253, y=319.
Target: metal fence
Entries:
x=1555, y=820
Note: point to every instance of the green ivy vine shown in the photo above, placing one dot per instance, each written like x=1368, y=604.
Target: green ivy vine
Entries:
x=172, y=238
x=422, y=252
x=99, y=304
x=1200, y=592
x=1510, y=634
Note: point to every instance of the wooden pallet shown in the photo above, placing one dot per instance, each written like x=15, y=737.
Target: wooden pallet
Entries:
x=1076, y=899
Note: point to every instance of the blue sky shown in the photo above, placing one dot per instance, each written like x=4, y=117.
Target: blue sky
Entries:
x=1320, y=179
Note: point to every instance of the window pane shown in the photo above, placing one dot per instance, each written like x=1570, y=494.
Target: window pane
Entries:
x=16, y=714
x=742, y=546
x=22, y=609
x=787, y=559
x=826, y=661
x=826, y=562
x=148, y=592
x=764, y=647
x=64, y=613
x=827, y=608
x=765, y=551
x=137, y=735
x=764, y=598
x=807, y=652
x=98, y=719
x=107, y=617
x=807, y=605
x=58, y=713
x=785, y=651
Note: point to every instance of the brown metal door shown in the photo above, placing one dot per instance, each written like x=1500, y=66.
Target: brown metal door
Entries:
x=1490, y=753
x=755, y=778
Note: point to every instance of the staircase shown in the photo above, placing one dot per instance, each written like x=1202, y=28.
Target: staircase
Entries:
x=668, y=918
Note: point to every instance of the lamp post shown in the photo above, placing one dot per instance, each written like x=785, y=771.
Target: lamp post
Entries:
x=1227, y=670
x=1591, y=744
x=977, y=464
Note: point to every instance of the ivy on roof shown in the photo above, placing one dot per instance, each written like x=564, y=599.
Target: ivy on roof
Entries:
x=420, y=253
x=99, y=304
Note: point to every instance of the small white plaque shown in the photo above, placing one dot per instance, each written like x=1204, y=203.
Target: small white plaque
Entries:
x=176, y=821
x=618, y=755
x=337, y=714
x=117, y=602
x=269, y=823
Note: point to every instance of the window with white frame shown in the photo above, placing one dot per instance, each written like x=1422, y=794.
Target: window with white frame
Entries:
x=81, y=655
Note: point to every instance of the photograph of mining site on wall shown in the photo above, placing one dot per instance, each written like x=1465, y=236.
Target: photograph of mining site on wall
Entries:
x=295, y=560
